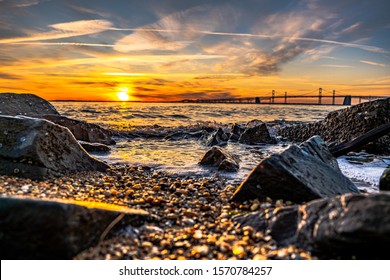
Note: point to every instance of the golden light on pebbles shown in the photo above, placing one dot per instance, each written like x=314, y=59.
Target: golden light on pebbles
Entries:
x=202, y=250
x=259, y=257
x=198, y=234
x=208, y=237
x=238, y=251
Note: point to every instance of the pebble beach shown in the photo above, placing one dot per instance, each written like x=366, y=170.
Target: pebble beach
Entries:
x=195, y=215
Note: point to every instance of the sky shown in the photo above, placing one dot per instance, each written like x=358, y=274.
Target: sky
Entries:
x=183, y=49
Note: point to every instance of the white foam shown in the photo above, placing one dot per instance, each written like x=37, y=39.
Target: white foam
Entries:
x=365, y=174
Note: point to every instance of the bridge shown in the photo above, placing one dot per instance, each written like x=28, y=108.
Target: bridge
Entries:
x=298, y=99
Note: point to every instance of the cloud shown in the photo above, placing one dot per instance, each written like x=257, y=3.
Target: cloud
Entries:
x=178, y=30
x=373, y=63
x=26, y=3
x=202, y=94
x=9, y=76
x=64, y=30
x=144, y=89
x=337, y=65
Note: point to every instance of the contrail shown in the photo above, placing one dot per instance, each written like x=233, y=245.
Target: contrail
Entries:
x=264, y=36
x=37, y=40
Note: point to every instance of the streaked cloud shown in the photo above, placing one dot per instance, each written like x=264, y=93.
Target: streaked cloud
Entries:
x=373, y=63
x=337, y=66
x=64, y=30
x=178, y=30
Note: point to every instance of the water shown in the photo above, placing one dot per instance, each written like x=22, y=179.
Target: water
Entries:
x=182, y=156
x=126, y=115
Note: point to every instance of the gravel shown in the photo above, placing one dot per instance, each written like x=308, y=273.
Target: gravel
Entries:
x=195, y=215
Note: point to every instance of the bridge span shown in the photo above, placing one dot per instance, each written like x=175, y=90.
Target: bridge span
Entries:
x=300, y=99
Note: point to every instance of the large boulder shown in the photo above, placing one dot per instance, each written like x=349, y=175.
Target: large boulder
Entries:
x=14, y=104
x=298, y=174
x=384, y=183
x=346, y=124
x=38, y=149
x=256, y=132
x=83, y=131
x=55, y=229
x=219, y=157
x=348, y=225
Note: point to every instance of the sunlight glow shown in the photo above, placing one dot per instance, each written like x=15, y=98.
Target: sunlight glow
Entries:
x=123, y=96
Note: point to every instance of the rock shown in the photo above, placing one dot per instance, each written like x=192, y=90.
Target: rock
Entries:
x=256, y=132
x=219, y=157
x=236, y=132
x=217, y=138
x=37, y=149
x=347, y=225
x=298, y=174
x=82, y=130
x=315, y=146
x=55, y=229
x=13, y=104
x=94, y=147
x=346, y=124
x=384, y=184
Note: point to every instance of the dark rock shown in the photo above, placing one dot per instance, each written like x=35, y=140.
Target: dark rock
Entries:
x=346, y=124
x=94, y=147
x=217, y=138
x=219, y=157
x=179, y=135
x=384, y=184
x=82, y=130
x=347, y=225
x=298, y=174
x=256, y=132
x=316, y=147
x=37, y=149
x=55, y=229
x=236, y=132
x=13, y=104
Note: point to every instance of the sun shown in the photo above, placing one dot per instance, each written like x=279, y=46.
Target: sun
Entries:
x=123, y=96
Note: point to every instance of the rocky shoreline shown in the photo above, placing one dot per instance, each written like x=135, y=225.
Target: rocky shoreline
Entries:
x=293, y=205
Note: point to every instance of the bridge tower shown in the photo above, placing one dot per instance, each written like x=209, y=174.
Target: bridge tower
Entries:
x=285, y=97
x=320, y=96
x=257, y=100
x=347, y=100
x=334, y=97
x=273, y=96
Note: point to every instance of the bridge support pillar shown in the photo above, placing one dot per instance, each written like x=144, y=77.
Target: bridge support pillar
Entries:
x=347, y=100
x=257, y=100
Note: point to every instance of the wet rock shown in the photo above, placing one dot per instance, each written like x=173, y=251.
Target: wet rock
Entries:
x=13, y=104
x=217, y=138
x=315, y=146
x=256, y=132
x=56, y=229
x=236, y=132
x=384, y=184
x=83, y=131
x=94, y=147
x=219, y=157
x=347, y=225
x=298, y=174
x=179, y=135
x=37, y=149
x=346, y=124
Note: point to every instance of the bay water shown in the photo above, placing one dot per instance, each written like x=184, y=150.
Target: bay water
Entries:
x=182, y=156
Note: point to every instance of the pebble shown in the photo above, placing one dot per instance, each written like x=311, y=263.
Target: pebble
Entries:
x=196, y=216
